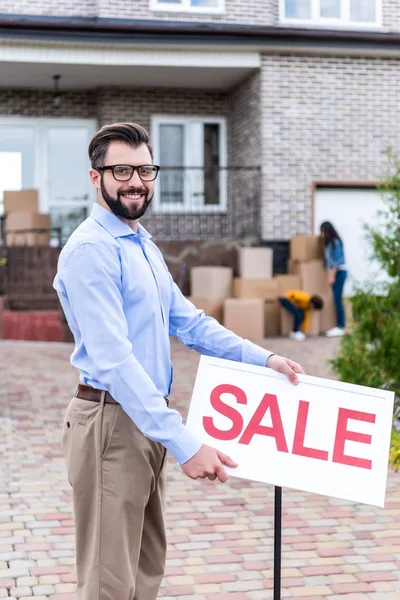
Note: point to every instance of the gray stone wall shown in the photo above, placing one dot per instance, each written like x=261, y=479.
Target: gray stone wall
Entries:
x=322, y=119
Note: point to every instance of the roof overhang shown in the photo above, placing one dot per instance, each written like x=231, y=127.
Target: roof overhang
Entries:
x=94, y=52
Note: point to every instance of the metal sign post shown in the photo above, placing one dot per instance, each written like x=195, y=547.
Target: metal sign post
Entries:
x=277, y=543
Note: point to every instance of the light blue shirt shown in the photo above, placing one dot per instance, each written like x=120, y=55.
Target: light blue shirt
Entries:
x=122, y=305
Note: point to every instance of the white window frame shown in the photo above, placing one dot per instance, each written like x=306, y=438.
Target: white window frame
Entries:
x=188, y=207
x=343, y=22
x=185, y=6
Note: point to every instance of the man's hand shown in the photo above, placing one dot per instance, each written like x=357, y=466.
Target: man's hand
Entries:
x=286, y=366
x=208, y=462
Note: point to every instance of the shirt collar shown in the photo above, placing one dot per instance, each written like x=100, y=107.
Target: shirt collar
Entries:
x=114, y=225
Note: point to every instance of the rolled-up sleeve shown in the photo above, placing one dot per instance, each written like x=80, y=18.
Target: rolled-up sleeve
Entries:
x=204, y=334
x=91, y=279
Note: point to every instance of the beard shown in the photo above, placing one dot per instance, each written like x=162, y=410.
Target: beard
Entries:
x=118, y=207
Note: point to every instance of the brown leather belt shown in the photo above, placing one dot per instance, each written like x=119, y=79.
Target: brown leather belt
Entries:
x=86, y=392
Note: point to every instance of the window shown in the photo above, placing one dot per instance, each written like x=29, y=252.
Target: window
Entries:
x=192, y=154
x=209, y=6
x=348, y=13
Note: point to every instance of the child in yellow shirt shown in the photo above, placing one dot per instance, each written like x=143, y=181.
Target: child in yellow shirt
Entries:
x=300, y=303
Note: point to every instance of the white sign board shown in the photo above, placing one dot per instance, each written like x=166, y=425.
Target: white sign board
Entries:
x=321, y=436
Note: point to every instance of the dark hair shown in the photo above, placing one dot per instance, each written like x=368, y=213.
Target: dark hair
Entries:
x=329, y=232
x=317, y=302
x=130, y=133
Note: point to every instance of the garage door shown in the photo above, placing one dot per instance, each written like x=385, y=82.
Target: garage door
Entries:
x=348, y=209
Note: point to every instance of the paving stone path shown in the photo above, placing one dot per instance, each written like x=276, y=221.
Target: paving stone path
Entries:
x=220, y=536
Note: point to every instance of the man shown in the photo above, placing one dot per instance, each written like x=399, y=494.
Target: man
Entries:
x=122, y=305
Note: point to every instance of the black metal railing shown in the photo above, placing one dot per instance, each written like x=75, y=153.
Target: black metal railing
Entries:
x=212, y=203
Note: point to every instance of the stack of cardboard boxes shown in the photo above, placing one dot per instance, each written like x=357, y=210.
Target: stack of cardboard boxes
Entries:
x=23, y=217
x=249, y=304
x=306, y=261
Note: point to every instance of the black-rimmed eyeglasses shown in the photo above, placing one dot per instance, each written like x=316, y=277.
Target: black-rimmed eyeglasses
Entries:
x=125, y=172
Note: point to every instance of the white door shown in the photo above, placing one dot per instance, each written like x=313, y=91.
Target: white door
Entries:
x=68, y=194
x=348, y=210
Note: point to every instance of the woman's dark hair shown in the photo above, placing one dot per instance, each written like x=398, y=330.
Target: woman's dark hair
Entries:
x=317, y=302
x=329, y=233
x=130, y=133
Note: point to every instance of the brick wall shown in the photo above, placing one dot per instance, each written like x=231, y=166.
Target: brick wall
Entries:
x=323, y=119
x=38, y=103
x=84, y=8
x=246, y=121
x=140, y=104
x=261, y=12
x=391, y=14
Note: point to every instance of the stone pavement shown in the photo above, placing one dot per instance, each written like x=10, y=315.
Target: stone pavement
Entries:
x=220, y=536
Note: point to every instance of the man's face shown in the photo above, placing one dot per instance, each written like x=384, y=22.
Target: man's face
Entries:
x=128, y=200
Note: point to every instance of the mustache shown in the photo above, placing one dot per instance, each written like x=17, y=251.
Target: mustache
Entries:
x=133, y=191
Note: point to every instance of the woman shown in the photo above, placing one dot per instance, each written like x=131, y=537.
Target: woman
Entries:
x=336, y=265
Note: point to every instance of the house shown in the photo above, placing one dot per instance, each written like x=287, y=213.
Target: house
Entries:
x=267, y=116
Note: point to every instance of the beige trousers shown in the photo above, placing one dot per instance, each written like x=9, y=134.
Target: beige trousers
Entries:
x=117, y=477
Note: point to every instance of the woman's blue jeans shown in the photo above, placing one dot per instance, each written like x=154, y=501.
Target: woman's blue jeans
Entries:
x=337, y=289
x=296, y=312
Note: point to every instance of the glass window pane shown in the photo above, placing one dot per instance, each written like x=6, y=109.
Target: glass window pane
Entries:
x=363, y=10
x=298, y=9
x=206, y=3
x=172, y=155
x=211, y=163
x=18, y=143
x=67, y=163
x=10, y=173
x=67, y=219
x=330, y=9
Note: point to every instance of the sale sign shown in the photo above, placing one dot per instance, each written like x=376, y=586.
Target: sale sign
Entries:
x=321, y=436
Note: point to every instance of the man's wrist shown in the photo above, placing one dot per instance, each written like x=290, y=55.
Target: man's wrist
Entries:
x=273, y=354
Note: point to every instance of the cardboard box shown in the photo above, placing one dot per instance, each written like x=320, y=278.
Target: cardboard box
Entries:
x=245, y=317
x=266, y=289
x=287, y=321
x=213, y=307
x=328, y=313
x=306, y=247
x=211, y=282
x=255, y=263
x=288, y=282
x=28, y=239
x=313, y=275
x=272, y=326
x=17, y=222
x=315, y=324
x=21, y=201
